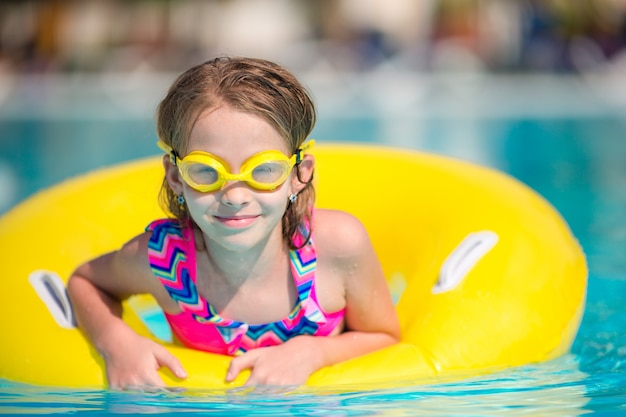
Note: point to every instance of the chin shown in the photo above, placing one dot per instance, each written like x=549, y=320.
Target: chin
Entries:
x=246, y=240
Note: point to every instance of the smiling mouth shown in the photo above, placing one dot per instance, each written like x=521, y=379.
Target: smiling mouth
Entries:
x=237, y=221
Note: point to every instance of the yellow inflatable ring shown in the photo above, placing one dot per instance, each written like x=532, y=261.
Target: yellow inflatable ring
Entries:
x=487, y=274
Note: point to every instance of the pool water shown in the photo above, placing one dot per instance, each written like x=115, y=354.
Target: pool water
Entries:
x=575, y=158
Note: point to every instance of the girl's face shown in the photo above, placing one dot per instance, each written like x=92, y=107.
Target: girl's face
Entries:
x=236, y=217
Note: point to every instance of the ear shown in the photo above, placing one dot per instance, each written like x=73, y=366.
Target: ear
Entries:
x=172, y=175
x=304, y=172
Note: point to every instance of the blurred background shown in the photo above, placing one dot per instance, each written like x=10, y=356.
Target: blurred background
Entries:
x=536, y=88
x=96, y=36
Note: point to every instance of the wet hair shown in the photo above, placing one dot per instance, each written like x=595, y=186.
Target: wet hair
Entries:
x=255, y=86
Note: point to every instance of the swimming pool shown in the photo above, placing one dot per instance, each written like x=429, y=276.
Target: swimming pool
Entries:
x=560, y=137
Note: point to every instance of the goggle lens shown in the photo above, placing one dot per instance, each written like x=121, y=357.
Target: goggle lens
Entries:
x=271, y=172
x=202, y=174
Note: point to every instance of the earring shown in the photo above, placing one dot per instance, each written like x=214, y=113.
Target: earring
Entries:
x=181, y=200
x=293, y=198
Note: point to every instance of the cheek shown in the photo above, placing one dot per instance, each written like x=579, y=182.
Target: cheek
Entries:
x=280, y=196
x=198, y=203
x=275, y=202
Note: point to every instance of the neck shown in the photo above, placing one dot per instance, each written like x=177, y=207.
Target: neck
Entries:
x=235, y=267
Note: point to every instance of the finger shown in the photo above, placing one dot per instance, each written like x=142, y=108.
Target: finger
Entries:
x=240, y=363
x=165, y=358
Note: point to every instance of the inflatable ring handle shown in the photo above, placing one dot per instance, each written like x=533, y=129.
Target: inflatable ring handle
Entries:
x=50, y=288
x=463, y=258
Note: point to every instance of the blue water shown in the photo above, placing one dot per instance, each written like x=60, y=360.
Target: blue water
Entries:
x=576, y=159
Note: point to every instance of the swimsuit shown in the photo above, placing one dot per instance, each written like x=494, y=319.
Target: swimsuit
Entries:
x=172, y=257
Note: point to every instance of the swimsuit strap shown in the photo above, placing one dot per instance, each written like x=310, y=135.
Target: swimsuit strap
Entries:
x=174, y=264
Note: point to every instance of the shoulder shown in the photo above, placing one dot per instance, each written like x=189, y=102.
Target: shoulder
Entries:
x=132, y=260
x=164, y=226
x=340, y=235
x=122, y=272
x=157, y=237
x=130, y=272
x=345, y=255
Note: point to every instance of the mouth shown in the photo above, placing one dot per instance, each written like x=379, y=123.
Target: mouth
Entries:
x=237, y=221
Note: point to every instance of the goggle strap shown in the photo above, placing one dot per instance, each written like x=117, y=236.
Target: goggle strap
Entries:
x=168, y=149
x=303, y=148
x=174, y=157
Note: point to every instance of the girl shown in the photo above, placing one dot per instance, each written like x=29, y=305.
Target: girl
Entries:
x=246, y=266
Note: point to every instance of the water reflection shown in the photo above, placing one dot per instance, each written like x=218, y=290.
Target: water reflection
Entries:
x=555, y=388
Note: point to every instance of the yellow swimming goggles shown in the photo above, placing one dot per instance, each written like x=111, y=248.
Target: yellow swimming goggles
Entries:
x=206, y=172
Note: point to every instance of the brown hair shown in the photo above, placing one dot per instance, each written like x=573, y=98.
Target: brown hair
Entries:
x=251, y=85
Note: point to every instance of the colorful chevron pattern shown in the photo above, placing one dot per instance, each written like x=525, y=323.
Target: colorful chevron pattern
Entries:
x=172, y=257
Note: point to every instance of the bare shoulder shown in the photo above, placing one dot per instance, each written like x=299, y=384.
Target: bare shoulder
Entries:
x=133, y=254
x=134, y=259
x=340, y=235
x=122, y=272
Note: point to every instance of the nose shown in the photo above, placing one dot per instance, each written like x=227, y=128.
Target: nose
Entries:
x=235, y=194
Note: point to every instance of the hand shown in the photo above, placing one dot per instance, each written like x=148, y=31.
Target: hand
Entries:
x=134, y=362
x=290, y=363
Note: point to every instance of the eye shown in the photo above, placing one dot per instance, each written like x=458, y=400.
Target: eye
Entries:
x=269, y=172
x=202, y=174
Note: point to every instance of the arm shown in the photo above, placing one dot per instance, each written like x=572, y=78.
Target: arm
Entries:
x=355, y=278
x=97, y=289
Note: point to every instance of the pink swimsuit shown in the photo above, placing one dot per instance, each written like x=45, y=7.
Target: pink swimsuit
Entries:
x=172, y=256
